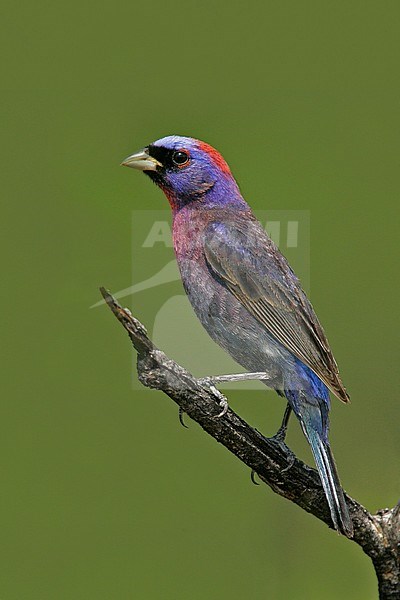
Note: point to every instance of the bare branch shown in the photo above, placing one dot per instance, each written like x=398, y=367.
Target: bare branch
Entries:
x=271, y=459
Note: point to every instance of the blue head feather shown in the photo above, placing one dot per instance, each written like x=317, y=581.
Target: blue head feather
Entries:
x=206, y=176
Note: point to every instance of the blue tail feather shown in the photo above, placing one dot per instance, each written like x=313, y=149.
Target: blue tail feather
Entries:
x=311, y=408
x=330, y=480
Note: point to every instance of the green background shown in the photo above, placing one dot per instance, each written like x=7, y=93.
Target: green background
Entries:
x=103, y=494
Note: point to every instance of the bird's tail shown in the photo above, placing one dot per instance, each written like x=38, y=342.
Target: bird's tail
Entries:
x=330, y=480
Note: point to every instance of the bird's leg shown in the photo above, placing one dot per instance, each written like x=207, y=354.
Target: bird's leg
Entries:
x=260, y=376
x=279, y=436
x=211, y=381
x=281, y=433
x=223, y=402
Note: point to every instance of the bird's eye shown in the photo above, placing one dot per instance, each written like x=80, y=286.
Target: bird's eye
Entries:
x=180, y=158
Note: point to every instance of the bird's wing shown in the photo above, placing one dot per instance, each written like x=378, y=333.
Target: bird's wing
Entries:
x=244, y=259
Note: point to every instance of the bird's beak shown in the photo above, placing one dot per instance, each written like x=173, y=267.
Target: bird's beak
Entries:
x=142, y=161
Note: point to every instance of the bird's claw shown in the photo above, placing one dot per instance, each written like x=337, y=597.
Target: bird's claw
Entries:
x=280, y=435
x=292, y=458
x=222, y=401
x=181, y=418
x=253, y=477
x=209, y=383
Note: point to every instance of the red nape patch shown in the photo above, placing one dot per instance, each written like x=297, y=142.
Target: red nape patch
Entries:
x=215, y=155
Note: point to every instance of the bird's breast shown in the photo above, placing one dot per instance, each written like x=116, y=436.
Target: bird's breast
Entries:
x=226, y=320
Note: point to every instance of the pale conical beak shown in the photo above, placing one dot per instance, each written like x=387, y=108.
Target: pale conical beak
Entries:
x=141, y=161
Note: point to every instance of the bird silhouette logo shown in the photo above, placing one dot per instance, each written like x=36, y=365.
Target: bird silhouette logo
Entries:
x=173, y=325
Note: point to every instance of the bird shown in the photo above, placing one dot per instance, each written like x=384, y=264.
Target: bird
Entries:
x=246, y=295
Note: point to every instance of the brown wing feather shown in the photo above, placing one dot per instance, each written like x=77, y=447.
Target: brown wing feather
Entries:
x=242, y=255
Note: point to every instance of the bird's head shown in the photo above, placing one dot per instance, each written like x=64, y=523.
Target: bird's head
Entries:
x=186, y=169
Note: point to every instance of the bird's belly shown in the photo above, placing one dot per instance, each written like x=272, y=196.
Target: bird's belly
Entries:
x=233, y=327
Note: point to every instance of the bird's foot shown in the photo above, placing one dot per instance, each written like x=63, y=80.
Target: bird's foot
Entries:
x=223, y=402
x=291, y=461
x=182, y=418
x=253, y=477
x=280, y=435
x=280, y=438
x=209, y=383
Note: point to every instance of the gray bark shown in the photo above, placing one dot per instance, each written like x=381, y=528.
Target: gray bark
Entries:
x=275, y=464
